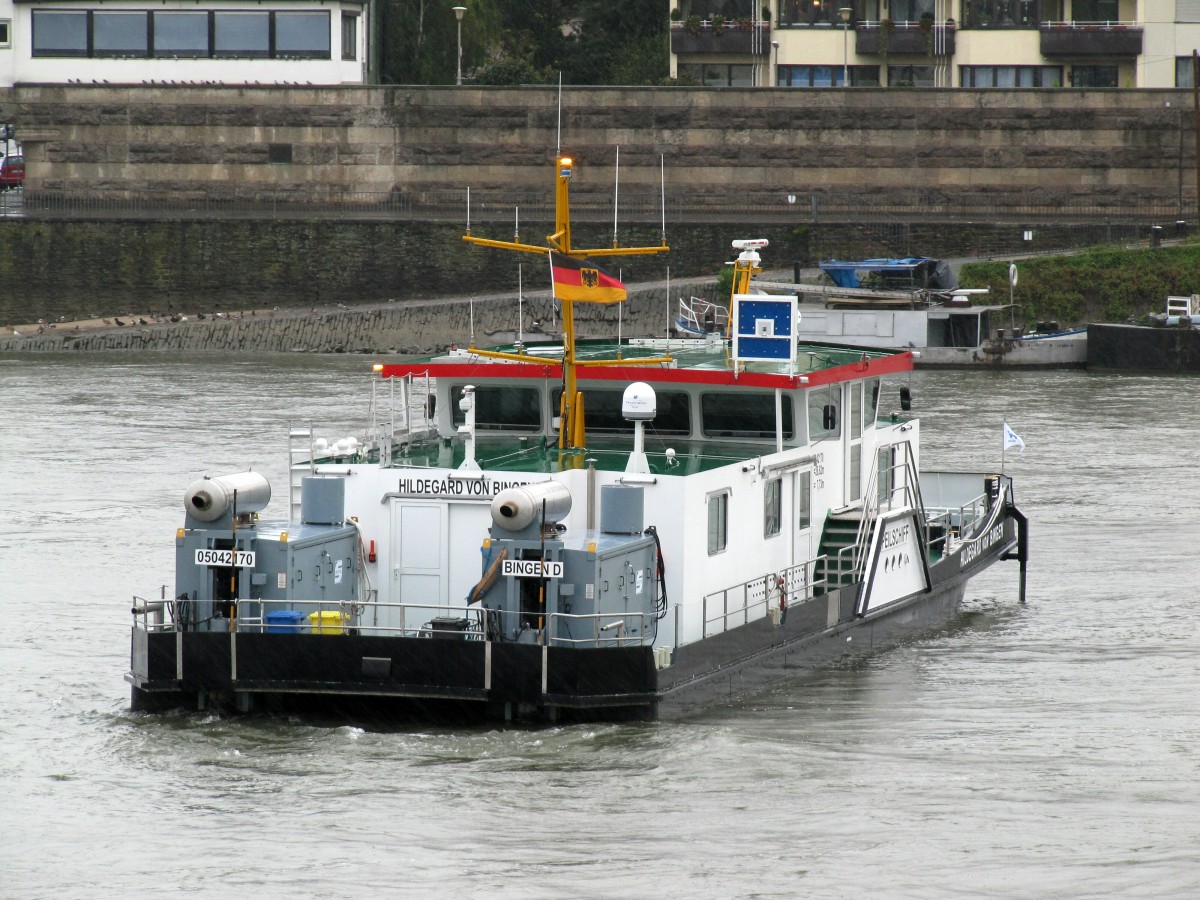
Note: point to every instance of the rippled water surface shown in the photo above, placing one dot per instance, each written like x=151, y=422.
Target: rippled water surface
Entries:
x=1042, y=750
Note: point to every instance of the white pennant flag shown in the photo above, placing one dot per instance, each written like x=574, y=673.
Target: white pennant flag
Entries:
x=1012, y=439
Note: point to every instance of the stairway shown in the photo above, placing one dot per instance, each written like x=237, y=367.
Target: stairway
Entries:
x=835, y=569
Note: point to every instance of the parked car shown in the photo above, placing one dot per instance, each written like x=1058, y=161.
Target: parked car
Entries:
x=12, y=172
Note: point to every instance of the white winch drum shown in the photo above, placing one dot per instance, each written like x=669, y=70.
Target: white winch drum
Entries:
x=516, y=508
x=207, y=499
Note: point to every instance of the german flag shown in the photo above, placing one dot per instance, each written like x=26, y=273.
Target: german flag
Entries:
x=578, y=279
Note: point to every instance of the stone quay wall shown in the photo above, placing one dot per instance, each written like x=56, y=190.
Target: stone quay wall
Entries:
x=414, y=328
x=735, y=147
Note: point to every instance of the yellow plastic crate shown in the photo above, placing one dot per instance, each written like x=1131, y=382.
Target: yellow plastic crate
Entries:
x=327, y=621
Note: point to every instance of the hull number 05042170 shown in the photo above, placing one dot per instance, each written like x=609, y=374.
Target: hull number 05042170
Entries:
x=245, y=558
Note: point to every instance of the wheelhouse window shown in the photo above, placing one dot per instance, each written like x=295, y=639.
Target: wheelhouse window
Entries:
x=718, y=522
x=803, y=499
x=5, y=32
x=747, y=416
x=871, y=411
x=602, y=412
x=501, y=408
x=1010, y=76
x=772, y=507
x=825, y=412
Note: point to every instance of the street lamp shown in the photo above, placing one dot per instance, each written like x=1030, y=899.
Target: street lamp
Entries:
x=775, y=47
x=846, y=12
x=459, y=12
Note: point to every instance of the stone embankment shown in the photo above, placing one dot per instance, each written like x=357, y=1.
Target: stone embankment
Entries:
x=407, y=328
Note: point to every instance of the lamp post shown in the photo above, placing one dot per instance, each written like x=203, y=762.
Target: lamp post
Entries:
x=459, y=12
x=846, y=12
x=775, y=74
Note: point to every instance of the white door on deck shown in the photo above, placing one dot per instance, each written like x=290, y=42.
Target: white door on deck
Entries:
x=420, y=571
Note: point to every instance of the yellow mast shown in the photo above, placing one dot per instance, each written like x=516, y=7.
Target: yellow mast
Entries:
x=571, y=426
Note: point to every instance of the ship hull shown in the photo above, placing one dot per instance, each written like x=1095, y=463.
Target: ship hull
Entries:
x=369, y=676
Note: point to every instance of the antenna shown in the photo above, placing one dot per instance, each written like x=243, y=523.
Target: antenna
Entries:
x=517, y=224
x=468, y=209
x=616, y=185
x=668, y=303
x=520, y=309
x=662, y=180
x=559, y=149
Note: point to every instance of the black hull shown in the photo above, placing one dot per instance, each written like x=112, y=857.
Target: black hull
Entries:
x=1142, y=348
x=367, y=676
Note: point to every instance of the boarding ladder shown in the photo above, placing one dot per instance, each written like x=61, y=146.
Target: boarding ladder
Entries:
x=301, y=463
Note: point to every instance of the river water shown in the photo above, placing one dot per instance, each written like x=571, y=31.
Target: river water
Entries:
x=1048, y=750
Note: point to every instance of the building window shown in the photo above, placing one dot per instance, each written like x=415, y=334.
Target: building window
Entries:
x=1094, y=76
x=1184, y=72
x=349, y=36
x=1095, y=11
x=1010, y=76
x=825, y=76
x=177, y=34
x=5, y=32
x=910, y=76
x=241, y=34
x=825, y=13
x=911, y=10
x=1187, y=10
x=301, y=35
x=772, y=507
x=716, y=75
x=120, y=34
x=60, y=33
x=718, y=522
x=181, y=34
x=1010, y=13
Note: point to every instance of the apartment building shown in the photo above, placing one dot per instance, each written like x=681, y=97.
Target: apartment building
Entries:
x=935, y=43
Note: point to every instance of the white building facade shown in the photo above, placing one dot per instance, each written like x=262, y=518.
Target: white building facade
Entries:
x=176, y=42
x=935, y=43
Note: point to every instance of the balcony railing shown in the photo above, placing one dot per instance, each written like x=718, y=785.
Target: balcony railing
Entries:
x=886, y=38
x=705, y=36
x=1091, y=39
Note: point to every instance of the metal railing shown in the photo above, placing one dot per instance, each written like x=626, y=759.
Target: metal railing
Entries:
x=751, y=600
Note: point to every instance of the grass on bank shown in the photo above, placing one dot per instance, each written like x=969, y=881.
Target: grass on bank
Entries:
x=1104, y=284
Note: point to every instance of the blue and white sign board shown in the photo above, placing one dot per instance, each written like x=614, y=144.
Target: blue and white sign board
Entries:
x=764, y=328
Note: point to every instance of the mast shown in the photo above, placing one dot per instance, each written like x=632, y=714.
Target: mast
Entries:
x=571, y=432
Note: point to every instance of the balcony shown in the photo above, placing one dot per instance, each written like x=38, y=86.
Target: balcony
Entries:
x=910, y=38
x=1090, y=39
x=744, y=38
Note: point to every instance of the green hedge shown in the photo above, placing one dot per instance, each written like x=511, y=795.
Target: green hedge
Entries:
x=1101, y=285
